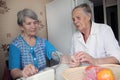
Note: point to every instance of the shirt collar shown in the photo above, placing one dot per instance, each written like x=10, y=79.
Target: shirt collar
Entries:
x=94, y=29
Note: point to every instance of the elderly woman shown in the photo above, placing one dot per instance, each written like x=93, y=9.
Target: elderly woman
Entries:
x=93, y=43
x=28, y=52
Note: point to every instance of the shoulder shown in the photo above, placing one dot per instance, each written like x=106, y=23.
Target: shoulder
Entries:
x=17, y=40
x=15, y=44
x=100, y=27
x=40, y=40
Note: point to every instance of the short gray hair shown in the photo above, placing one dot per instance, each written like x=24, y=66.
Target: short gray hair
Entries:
x=25, y=13
x=85, y=7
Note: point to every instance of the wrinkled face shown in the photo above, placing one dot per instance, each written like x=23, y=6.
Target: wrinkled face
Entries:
x=29, y=26
x=80, y=19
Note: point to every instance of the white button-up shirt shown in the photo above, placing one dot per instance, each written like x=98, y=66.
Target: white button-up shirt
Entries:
x=101, y=42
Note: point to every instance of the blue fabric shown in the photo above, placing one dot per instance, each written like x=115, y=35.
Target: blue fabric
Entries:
x=20, y=53
x=34, y=56
x=49, y=49
x=14, y=59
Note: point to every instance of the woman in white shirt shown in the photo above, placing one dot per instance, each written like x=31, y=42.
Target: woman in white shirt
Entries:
x=93, y=43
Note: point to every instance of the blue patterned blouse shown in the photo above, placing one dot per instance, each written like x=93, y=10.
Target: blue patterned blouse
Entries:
x=21, y=54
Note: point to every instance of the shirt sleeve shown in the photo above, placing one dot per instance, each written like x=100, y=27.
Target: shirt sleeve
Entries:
x=14, y=57
x=49, y=48
x=111, y=44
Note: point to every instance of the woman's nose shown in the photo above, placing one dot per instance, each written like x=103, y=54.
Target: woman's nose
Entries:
x=75, y=21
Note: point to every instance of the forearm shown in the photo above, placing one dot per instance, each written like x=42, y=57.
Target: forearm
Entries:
x=57, y=56
x=108, y=60
x=16, y=73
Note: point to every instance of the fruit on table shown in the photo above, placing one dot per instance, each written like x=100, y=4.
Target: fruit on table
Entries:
x=105, y=74
x=90, y=72
x=93, y=72
x=90, y=67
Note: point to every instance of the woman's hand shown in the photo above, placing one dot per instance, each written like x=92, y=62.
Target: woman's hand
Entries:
x=29, y=70
x=69, y=60
x=85, y=57
x=74, y=62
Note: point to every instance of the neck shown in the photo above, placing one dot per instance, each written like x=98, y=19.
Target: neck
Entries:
x=86, y=32
x=31, y=40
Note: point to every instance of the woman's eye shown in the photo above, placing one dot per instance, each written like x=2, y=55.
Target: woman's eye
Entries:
x=36, y=22
x=78, y=18
x=73, y=19
x=28, y=23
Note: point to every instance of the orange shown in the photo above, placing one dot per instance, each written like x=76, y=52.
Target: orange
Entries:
x=105, y=74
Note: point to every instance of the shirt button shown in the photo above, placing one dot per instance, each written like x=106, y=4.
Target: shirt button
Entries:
x=34, y=58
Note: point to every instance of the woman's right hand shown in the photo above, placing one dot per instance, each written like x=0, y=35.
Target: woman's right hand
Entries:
x=29, y=70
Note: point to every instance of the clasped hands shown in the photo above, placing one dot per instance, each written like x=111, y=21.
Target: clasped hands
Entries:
x=78, y=58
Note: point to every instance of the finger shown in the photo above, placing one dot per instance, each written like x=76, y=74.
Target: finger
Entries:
x=73, y=59
x=77, y=56
x=33, y=69
x=73, y=64
x=28, y=70
x=25, y=73
x=86, y=60
x=83, y=59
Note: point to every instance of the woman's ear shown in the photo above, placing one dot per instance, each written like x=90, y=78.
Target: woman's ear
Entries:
x=89, y=16
x=22, y=29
